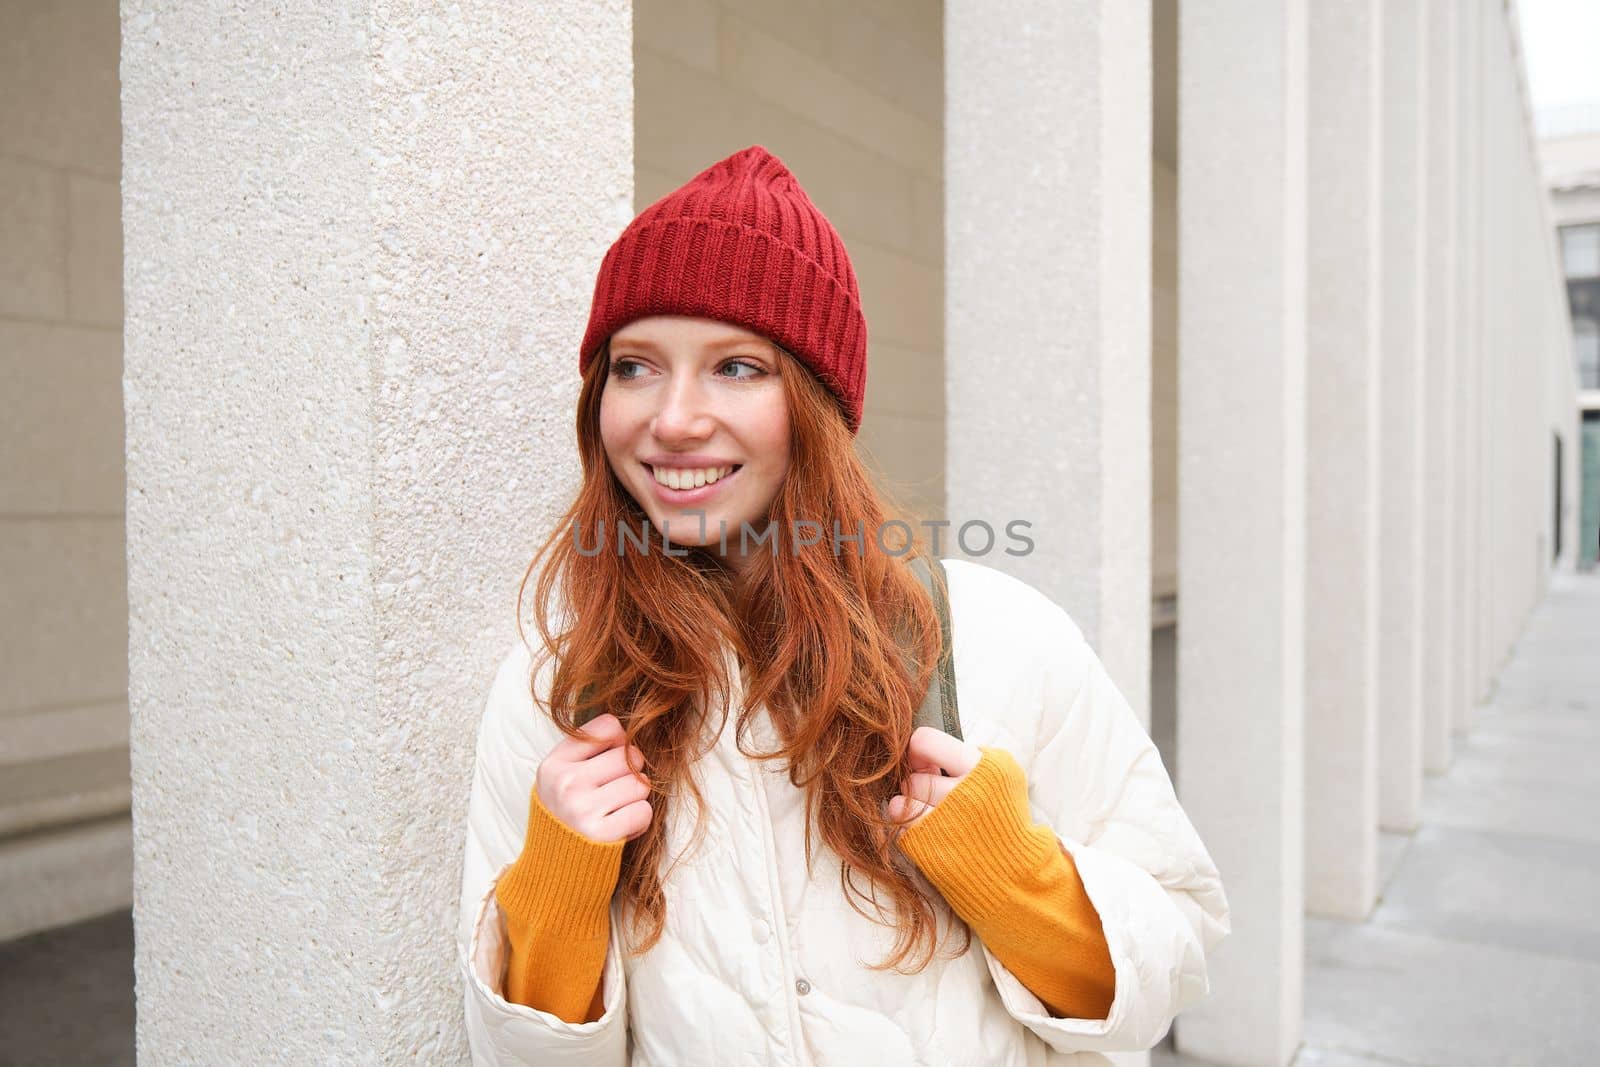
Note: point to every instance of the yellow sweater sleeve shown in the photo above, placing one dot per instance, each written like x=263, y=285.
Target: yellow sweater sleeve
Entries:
x=556, y=899
x=1010, y=879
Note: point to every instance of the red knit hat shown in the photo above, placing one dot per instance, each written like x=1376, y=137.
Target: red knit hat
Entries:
x=741, y=242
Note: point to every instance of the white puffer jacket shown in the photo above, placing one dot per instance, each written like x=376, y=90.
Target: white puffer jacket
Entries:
x=759, y=965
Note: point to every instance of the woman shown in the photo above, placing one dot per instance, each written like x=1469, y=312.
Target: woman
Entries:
x=604, y=919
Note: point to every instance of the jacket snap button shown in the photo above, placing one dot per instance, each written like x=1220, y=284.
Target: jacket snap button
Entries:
x=802, y=986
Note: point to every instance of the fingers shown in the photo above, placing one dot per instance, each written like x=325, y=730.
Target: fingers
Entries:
x=613, y=764
x=603, y=735
x=602, y=732
x=628, y=821
x=927, y=788
x=620, y=792
x=900, y=805
x=919, y=793
x=596, y=736
x=934, y=750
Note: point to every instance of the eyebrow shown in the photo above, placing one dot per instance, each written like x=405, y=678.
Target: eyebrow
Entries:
x=731, y=342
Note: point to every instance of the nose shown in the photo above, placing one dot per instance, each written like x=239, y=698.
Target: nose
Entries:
x=684, y=412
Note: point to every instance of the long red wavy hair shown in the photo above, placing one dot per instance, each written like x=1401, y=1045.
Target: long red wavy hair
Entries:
x=839, y=647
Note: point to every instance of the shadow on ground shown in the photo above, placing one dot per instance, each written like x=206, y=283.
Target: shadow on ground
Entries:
x=66, y=995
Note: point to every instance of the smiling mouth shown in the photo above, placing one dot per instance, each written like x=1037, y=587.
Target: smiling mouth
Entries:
x=730, y=470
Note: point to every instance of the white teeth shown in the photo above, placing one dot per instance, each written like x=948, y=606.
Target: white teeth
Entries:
x=689, y=479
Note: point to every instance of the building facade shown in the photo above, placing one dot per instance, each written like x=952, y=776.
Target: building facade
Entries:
x=1570, y=149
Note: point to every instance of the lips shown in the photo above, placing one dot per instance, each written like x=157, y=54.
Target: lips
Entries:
x=668, y=495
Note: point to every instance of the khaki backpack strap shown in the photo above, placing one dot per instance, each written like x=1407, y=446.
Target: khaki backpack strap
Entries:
x=939, y=708
x=587, y=713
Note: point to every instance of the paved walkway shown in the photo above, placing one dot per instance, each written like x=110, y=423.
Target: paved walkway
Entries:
x=1484, y=948
x=66, y=995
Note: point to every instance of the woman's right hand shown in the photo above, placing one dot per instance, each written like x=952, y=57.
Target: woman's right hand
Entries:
x=588, y=784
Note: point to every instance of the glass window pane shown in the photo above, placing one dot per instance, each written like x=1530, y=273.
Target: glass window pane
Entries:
x=1580, y=246
x=1586, y=346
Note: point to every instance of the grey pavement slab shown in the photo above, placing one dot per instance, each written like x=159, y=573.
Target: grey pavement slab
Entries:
x=1308, y=1056
x=1409, y=998
x=1484, y=947
x=1532, y=892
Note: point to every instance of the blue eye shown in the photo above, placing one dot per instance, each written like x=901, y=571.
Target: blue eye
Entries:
x=619, y=367
x=743, y=363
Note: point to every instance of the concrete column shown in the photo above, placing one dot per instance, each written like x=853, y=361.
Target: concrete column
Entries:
x=1441, y=393
x=1343, y=374
x=1490, y=317
x=1047, y=281
x=360, y=246
x=1400, y=555
x=1242, y=506
x=1464, y=526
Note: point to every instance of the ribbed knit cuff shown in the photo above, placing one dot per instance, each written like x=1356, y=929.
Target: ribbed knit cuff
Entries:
x=985, y=815
x=563, y=880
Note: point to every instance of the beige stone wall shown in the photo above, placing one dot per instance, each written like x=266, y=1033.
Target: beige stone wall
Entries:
x=851, y=97
x=64, y=792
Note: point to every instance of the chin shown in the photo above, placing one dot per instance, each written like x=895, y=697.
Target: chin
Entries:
x=685, y=531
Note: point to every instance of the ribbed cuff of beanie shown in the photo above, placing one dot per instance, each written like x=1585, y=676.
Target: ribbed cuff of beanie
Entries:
x=1011, y=881
x=556, y=899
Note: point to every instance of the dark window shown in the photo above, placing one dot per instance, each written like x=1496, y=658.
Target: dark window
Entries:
x=1556, y=553
x=1583, y=298
x=1589, y=495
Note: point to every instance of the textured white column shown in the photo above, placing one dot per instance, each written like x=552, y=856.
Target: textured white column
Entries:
x=1440, y=406
x=1343, y=375
x=1047, y=283
x=1468, y=85
x=1491, y=316
x=1489, y=128
x=1400, y=556
x=1242, y=506
x=360, y=245
x=1510, y=506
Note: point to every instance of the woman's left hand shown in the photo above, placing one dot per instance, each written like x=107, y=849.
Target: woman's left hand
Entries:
x=931, y=752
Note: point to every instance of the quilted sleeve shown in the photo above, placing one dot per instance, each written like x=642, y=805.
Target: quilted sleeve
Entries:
x=1098, y=780
x=512, y=739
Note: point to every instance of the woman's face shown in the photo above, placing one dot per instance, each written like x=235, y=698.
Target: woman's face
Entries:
x=693, y=417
